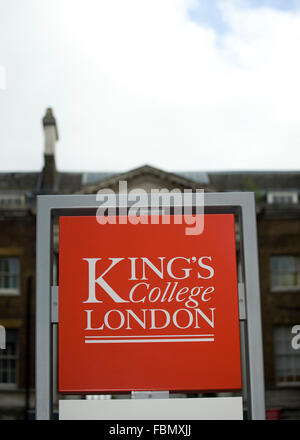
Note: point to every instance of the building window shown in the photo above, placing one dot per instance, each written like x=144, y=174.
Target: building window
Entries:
x=287, y=359
x=282, y=197
x=285, y=272
x=11, y=201
x=9, y=360
x=9, y=275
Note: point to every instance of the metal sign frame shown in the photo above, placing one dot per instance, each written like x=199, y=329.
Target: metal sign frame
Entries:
x=242, y=204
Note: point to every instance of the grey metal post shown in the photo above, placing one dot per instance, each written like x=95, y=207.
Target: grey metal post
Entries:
x=253, y=322
x=43, y=373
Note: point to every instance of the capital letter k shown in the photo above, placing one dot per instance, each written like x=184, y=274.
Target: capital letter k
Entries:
x=101, y=282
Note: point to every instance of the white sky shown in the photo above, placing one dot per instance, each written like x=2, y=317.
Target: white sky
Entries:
x=139, y=81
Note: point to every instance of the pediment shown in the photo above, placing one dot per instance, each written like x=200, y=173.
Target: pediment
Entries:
x=145, y=177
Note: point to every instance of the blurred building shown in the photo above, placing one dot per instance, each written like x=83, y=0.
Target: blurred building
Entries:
x=278, y=221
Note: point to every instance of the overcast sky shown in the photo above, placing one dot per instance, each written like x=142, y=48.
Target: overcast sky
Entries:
x=177, y=84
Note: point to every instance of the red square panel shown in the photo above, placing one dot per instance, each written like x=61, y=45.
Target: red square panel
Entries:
x=147, y=307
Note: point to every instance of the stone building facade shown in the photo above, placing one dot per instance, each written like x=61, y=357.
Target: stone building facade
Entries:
x=278, y=222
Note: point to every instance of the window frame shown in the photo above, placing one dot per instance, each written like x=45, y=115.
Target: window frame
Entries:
x=287, y=354
x=281, y=288
x=12, y=201
x=11, y=291
x=272, y=195
x=16, y=357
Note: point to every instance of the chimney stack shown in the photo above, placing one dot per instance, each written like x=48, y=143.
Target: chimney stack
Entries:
x=50, y=131
x=50, y=138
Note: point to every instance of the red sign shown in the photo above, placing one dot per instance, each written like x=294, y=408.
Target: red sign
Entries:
x=146, y=307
